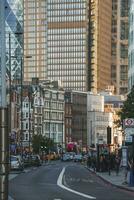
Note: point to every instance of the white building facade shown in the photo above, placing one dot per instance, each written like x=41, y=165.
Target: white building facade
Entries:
x=97, y=120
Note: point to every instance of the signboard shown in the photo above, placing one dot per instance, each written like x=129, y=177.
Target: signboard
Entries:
x=129, y=122
x=128, y=134
x=124, y=157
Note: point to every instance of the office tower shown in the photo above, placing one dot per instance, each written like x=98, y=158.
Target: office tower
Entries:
x=14, y=37
x=35, y=35
x=119, y=43
x=131, y=47
x=100, y=43
x=58, y=37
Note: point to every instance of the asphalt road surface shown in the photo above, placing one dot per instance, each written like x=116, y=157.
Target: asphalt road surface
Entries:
x=63, y=181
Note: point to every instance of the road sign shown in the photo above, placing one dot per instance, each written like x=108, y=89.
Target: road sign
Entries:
x=129, y=122
x=128, y=134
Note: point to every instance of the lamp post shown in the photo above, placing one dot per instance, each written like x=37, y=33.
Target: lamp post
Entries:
x=4, y=142
x=62, y=132
x=29, y=98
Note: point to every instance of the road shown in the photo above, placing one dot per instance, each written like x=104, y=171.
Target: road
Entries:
x=63, y=181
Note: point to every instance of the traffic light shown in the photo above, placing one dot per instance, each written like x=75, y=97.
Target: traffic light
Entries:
x=108, y=135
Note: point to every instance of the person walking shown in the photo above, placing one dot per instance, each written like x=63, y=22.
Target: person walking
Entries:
x=131, y=177
x=117, y=164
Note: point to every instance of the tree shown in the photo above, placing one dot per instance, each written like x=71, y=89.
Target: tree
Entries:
x=40, y=143
x=37, y=140
x=127, y=110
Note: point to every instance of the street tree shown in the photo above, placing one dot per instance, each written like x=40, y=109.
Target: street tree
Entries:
x=127, y=110
x=41, y=143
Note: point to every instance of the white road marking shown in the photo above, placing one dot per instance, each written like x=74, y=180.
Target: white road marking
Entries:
x=57, y=199
x=59, y=183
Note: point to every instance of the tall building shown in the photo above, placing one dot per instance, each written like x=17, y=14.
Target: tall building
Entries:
x=35, y=35
x=57, y=36
x=14, y=37
x=131, y=46
x=100, y=37
x=119, y=43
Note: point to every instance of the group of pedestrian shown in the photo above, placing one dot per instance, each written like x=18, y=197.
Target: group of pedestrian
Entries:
x=104, y=163
x=112, y=162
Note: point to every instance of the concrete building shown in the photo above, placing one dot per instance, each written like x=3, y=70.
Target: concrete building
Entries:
x=100, y=45
x=119, y=45
x=131, y=46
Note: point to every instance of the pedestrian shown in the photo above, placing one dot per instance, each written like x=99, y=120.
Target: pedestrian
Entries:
x=89, y=161
x=101, y=163
x=117, y=164
x=131, y=177
x=94, y=163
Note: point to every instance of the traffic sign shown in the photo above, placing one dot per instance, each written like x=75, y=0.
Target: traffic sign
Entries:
x=129, y=122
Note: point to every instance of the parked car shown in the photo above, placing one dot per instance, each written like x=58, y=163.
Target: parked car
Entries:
x=16, y=163
x=65, y=157
x=35, y=160
x=27, y=161
x=78, y=158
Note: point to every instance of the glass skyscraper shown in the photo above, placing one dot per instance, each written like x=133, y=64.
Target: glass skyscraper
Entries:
x=14, y=37
x=131, y=46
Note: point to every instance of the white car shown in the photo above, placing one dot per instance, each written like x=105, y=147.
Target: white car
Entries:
x=78, y=158
x=16, y=163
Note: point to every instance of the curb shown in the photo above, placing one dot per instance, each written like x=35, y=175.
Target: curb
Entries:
x=112, y=184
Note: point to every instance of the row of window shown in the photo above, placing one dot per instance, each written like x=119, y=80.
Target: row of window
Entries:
x=67, y=61
x=66, y=50
x=67, y=43
x=66, y=67
x=66, y=31
x=67, y=18
x=66, y=12
x=76, y=76
x=66, y=5
x=68, y=55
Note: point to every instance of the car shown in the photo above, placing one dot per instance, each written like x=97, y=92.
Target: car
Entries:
x=16, y=163
x=27, y=161
x=35, y=160
x=65, y=157
x=78, y=158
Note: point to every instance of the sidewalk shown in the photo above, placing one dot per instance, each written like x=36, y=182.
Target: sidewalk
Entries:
x=113, y=179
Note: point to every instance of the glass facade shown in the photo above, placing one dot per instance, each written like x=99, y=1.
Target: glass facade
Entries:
x=131, y=46
x=119, y=44
x=67, y=42
x=14, y=37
